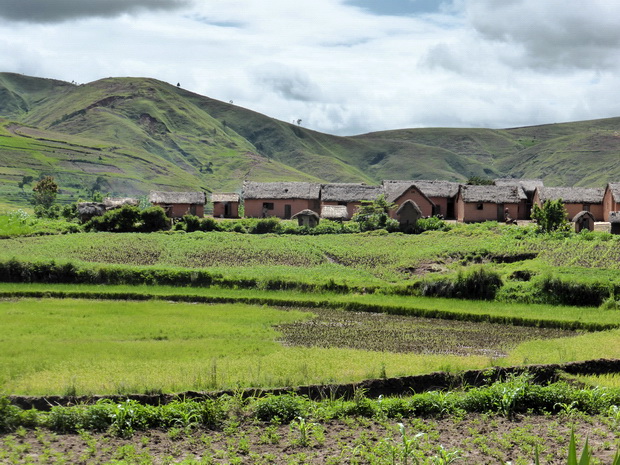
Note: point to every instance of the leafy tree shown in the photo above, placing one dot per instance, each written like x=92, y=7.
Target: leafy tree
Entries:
x=551, y=216
x=375, y=214
x=44, y=195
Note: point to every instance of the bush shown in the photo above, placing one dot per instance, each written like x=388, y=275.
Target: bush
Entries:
x=209, y=224
x=124, y=219
x=265, y=226
x=477, y=284
x=284, y=407
x=154, y=219
x=582, y=294
x=431, y=224
x=190, y=223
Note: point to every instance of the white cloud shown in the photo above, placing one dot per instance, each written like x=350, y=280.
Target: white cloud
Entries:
x=342, y=69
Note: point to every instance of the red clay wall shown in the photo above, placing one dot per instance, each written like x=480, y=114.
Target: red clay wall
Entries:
x=609, y=205
x=219, y=210
x=179, y=210
x=254, y=207
x=413, y=194
x=469, y=212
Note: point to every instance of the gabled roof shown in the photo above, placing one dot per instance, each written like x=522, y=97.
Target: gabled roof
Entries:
x=571, y=194
x=615, y=191
x=281, y=190
x=192, y=198
x=528, y=185
x=345, y=192
x=581, y=214
x=334, y=212
x=224, y=197
x=395, y=189
x=492, y=194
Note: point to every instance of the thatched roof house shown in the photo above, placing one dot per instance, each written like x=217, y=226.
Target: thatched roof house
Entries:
x=349, y=195
x=490, y=203
x=611, y=200
x=280, y=199
x=179, y=204
x=225, y=205
x=306, y=218
x=334, y=212
x=575, y=199
x=399, y=192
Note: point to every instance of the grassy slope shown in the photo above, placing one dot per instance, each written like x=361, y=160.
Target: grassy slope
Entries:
x=140, y=133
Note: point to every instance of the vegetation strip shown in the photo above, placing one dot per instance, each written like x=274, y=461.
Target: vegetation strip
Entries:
x=349, y=306
x=372, y=388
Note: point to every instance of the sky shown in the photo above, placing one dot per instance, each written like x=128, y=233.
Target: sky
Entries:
x=340, y=66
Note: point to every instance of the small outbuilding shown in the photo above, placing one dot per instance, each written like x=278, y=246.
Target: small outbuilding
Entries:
x=179, y=204
x=614, y=220
x=306, y=218
x=408, y=215
x=583, y=220
x=338, y=213
x=225, y=205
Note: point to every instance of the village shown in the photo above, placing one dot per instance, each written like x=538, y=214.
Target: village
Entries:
x=505, y=200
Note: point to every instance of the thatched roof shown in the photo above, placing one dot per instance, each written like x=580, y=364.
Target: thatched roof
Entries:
x=111, y=203
x=445, y=189
x=345, y=192
x=492, y=194
x=224, y=197
x=581, y=214
x=192, y=198
x=571, y=194
x=614, y=217
x=306, y=212
x=394, y=189
x=334, y=212
x=408, y=204
x=615, y=191
x=281, y=190
x=528, y=185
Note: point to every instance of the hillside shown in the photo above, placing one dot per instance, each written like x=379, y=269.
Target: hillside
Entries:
x=130, y=135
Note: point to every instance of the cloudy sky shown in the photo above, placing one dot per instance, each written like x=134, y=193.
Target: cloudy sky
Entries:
x=341, y=66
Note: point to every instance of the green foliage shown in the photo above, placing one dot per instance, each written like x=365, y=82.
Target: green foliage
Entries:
x=478, y=283
x=154, y=219
x=373, y=215
x=432, y=224
x=479, y=181
x=283, y=408
x=551, y=217
x=44, y=195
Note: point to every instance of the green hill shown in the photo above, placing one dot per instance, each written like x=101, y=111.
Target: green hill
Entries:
x=127, y=136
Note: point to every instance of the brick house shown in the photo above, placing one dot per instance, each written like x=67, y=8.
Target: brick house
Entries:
x=348, y=195
x=575, y=199
x=225, y=205
x=399, y=192
x=489, y=203
x=280, y=199
x=611, y=200
x=178, y=204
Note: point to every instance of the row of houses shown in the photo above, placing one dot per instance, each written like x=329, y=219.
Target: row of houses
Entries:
x=506, y=199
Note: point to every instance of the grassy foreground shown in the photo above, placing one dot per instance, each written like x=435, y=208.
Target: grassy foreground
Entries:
x=71, y=346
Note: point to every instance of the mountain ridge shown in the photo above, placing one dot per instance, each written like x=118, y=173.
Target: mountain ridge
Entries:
x=130, y=135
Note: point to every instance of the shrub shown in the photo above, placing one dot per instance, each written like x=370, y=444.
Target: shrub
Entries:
x=190, y=223
x=478, y=284
x=582, y=294
x=265, y=225
x=551, y=216
x=431, y=224
x=124, y=219
x=285, y=407
x=154, y=219
x=209, y=224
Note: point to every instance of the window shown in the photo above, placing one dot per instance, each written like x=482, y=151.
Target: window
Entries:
x=586, y=207
x=268, y=205
x=480, y=206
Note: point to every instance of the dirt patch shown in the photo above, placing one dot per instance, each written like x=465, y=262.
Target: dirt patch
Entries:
x=476, y=439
